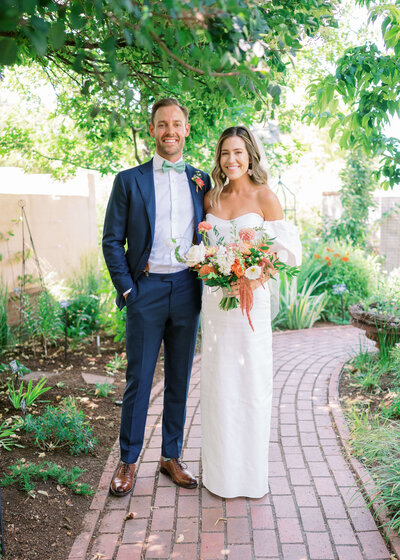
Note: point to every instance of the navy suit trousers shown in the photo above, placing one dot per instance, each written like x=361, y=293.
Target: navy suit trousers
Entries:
x=164, y=307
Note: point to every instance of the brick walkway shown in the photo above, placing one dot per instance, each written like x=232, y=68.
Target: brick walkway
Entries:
x=312, y=511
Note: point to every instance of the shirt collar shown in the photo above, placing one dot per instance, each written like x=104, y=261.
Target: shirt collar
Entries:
x=158, y=161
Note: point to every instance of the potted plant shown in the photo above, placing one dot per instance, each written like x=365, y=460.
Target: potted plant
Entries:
x=379, y=318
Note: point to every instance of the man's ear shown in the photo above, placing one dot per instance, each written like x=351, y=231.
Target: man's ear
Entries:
x=151, y=129
x=187, y=130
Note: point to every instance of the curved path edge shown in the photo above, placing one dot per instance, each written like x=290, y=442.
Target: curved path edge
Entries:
x=81, y=544
x=365, y=481
x=310, y=371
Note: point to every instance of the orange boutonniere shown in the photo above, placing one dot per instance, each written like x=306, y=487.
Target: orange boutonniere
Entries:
x=198, y=180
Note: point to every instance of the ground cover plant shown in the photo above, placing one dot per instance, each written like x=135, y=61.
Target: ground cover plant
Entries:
x=370, y=396
x=53, y=503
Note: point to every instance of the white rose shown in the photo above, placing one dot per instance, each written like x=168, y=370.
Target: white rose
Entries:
x=195, y=254
x=253, y=272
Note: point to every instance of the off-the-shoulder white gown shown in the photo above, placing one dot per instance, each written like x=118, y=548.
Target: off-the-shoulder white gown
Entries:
x=236, y=375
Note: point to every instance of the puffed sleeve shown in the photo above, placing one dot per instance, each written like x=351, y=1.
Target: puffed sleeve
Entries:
x=287, y=245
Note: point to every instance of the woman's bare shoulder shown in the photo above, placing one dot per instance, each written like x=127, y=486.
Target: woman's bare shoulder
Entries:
x=269, y=204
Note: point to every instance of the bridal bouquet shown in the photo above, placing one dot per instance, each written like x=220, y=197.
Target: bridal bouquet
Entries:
x=247, y=258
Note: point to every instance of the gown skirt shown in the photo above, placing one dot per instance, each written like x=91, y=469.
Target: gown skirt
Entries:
x=236, y=380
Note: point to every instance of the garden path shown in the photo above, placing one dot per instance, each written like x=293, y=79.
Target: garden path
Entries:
x=312, y=511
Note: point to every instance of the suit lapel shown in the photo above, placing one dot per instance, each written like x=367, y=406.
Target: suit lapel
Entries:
x=197, y=200
x=145, y=183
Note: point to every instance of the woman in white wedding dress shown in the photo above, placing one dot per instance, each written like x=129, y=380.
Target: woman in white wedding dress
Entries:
x=236, y=369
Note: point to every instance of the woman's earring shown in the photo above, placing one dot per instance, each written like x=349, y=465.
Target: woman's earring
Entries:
x=250, y=171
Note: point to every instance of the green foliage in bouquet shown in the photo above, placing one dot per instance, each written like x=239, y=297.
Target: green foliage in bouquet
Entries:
x=63, y=426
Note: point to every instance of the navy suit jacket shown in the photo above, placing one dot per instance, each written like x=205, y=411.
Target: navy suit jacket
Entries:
x=130, y=221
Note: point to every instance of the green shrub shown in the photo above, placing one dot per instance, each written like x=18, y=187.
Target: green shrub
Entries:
x=104, y=389
x=338, y=263
x=83, y=315
x=63, y=426
x=42, y=321
x=25, y=473
x=356, y=196
x=115, y=323
x=84, y=286
x=49, y=325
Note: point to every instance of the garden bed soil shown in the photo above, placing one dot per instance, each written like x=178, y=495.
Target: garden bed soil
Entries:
x=44, y=527
x=351, y=394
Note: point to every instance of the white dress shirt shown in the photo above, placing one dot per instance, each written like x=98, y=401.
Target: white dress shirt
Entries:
x=174, y=218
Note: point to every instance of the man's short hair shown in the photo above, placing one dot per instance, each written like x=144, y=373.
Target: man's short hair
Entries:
x=166, y=102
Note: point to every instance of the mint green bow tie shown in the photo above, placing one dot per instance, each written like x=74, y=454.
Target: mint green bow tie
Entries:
x=178, y=166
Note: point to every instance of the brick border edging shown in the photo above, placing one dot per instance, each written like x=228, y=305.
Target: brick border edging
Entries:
x=362, y=475
x=81, y=543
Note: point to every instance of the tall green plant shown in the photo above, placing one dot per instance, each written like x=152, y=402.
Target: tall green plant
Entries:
x=299, y=309
x=356, y=195
x=49, y=323
x=4, y=328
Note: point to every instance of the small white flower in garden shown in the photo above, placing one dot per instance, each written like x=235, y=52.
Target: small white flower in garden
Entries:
x=282, y=255
x=253, y=272
x=195, y=254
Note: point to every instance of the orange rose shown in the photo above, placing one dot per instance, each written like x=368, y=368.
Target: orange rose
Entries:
x=206, y=269
x=328, y=259
x=316, y=256
x=204, y=226
x=245, y=248
x=247, y=234
x=237, y=269
x=336, y=255
x=345, y=259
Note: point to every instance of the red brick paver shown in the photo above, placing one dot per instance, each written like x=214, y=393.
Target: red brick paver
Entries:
x=313, y=510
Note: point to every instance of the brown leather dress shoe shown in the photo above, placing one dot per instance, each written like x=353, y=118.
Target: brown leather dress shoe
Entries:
x=178, y=473
x=122, y=481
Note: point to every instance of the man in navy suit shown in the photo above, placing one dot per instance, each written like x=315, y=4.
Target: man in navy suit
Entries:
x=149, y=205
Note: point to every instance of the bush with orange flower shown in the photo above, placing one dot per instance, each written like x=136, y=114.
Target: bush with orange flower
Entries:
x=338, y=263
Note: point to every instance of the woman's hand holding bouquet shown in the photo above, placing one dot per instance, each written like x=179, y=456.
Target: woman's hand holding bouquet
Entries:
x=238, y=268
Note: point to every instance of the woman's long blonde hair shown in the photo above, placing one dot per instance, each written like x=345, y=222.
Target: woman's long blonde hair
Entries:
x=259, y=175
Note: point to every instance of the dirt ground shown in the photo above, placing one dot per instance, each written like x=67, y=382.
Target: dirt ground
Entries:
x=44, y=527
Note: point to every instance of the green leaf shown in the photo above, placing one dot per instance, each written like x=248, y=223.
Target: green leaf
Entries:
x=258, y=105
x=8, y=51
x=57, y=35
